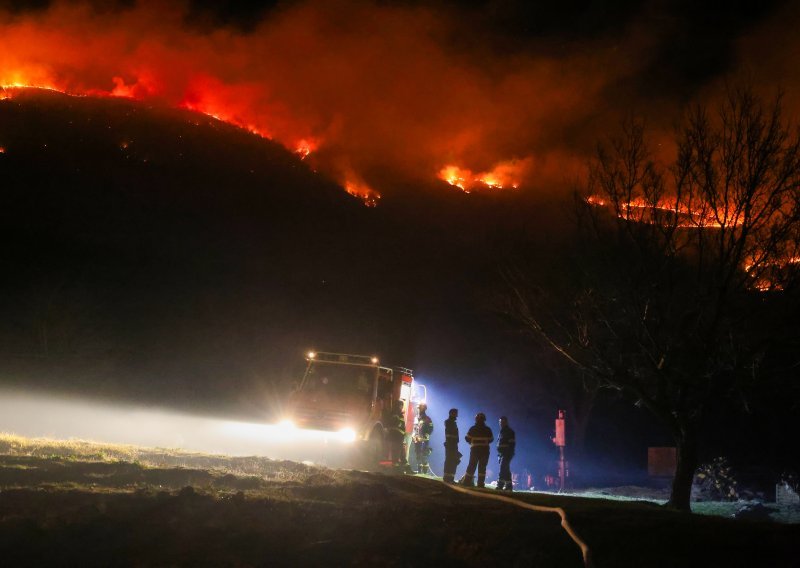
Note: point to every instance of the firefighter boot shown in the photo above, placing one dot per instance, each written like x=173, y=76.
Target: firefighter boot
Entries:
x=449, y=478
x=467, y=481
x=500, y=485
x=481, y=481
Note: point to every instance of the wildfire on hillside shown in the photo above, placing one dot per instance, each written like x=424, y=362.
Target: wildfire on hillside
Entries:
x=764, y=273
x=380, y=87
x=345, y=94
x=366, y=194
x=506, y=175
x=671, y=212
x=305, y=147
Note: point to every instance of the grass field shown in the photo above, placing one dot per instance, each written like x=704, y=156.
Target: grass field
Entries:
x=79, y=503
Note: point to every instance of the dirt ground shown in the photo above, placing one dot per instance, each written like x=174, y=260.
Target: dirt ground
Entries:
x=80, y=505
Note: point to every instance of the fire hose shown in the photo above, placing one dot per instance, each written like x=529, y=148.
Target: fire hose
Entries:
x=585, y=553
x=587, y=561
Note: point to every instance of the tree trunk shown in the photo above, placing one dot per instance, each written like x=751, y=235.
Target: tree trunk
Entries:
x=686, y=444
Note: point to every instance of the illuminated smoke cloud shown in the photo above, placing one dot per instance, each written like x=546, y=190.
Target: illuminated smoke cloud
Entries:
x=353, y=87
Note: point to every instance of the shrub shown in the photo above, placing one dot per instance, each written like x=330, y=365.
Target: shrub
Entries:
x=714, y=481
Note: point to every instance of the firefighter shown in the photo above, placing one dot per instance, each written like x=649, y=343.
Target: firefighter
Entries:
x=395, y=434
x=423, y=427
x=479, y=439
x=452, y=457
x=506, y=445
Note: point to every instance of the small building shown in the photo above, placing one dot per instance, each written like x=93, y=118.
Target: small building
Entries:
x=661, y=461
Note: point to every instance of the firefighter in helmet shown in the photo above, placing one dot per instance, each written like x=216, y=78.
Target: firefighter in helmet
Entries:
x=506, y=445
x=479, y=437
x=452, y=457
x=395, y=434
x=423, y=427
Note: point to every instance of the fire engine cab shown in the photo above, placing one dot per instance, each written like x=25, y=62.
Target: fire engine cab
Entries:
x=352, y=395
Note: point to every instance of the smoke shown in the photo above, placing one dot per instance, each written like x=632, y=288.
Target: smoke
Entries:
x=366, y=87
x=409, y=89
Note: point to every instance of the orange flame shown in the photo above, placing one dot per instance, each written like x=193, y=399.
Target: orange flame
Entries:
x=365, y=193
x=292, y=75
x=698, y=217
x=505, y=175
x=684, y=215
x=456, y=177
x=144, y=86
x=305, y=146
x=212, y=98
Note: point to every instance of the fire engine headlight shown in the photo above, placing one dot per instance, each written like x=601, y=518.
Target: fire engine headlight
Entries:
x=347, y=435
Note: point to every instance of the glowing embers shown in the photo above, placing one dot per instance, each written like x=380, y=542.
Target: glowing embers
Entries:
x=305, y=147
x=26, y=76
x=9, y=90
x=456, y=177
x=232, y=104
x=505, y=175
x=767, y=270
x=671, y=212
x=219, y=112
x=769, y=276
x=366, y=194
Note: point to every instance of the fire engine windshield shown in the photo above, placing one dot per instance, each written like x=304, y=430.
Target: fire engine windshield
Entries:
x=338, y=380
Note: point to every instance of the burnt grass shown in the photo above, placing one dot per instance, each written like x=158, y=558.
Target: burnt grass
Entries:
x=75, y=511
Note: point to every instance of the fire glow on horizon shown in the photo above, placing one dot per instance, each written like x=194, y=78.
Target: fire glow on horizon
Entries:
x=673, y=213
x=356, y=86
x=351, y=87
x=692, y=216
x=506, y=175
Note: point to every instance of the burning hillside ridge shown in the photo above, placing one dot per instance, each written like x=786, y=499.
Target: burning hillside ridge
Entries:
x=507, y=175
x=351, y=87
x=358, y=87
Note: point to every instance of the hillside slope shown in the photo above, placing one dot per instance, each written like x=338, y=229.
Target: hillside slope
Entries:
x=78, y=503
x=150, y=248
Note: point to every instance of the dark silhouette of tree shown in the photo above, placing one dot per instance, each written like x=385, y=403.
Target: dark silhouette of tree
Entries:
x=684, y=274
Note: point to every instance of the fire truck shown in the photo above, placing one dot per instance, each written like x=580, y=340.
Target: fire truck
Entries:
x=351, y=395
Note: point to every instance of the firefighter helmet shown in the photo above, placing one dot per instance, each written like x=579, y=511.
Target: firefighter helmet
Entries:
x=480, y=417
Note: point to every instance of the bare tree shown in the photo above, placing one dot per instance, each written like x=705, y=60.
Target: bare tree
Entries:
x=683, y=272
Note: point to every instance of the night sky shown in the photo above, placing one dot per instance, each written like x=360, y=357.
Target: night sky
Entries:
x=175, y=259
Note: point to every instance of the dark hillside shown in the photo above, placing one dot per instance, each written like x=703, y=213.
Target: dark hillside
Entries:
x=167, y=246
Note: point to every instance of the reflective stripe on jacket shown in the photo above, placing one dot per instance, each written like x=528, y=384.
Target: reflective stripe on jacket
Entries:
x=506, y=442
x=423, y=428
x=479, y=435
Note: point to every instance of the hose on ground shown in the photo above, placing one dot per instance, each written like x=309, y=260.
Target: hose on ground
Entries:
x=587, y=561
